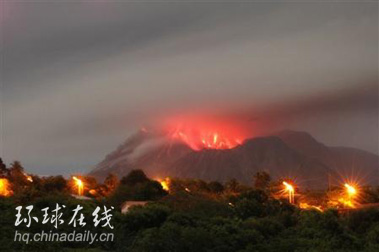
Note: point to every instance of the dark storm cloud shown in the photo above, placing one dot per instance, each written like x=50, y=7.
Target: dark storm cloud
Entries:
x=346, y=117
x=78, y=78
x=37, y=35
x=67, y=35
x=362, y=98
x=76, y=30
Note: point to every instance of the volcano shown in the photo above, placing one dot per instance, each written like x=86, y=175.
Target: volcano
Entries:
x=287, y=154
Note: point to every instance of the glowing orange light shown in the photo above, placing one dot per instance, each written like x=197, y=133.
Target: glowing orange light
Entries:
x=201, y=133
x=79, y=184
x=206, y=140
x=5, y=187
x=215, y=136
x=165, y=184
x=28, y=177
x=92, y=192
x=291, y=192
x=351, y=193
x=304, y=205
x=346, y=202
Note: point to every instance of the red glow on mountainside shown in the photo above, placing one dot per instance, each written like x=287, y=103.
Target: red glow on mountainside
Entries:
x=202, y=134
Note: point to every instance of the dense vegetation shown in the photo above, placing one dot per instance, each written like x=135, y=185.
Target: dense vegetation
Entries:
x=194, y=216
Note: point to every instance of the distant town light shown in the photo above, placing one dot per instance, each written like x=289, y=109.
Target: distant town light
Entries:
x=5, y=190
x=28, y=177
x=165, y=184
x=291, y=192
x=79, y=184
x=351, y=191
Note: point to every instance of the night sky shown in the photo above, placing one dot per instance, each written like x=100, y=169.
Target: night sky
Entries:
x=77, y=78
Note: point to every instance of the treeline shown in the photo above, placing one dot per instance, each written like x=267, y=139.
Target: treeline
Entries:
x=193, y=215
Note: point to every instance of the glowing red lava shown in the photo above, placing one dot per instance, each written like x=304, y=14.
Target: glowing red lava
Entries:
x=199, y=134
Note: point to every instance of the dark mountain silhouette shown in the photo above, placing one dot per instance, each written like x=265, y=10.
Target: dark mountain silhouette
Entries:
x=270, y=154
x=286, y=154
x=145, y=151
x=348, y=162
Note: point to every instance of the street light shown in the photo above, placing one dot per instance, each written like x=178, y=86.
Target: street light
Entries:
x=351, y=191
x=291, y=192
x=79, y=184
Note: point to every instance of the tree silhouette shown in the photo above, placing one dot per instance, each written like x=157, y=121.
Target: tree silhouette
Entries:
x=215, y=187
x=17, y=176
x=4, y=172
x=232, y=185
x=111, y=182
x=262, y=180
x=134, y=177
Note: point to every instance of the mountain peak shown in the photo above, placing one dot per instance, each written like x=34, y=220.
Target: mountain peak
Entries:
x=301, y=141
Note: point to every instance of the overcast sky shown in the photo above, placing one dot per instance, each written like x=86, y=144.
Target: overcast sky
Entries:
x=78, y=77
